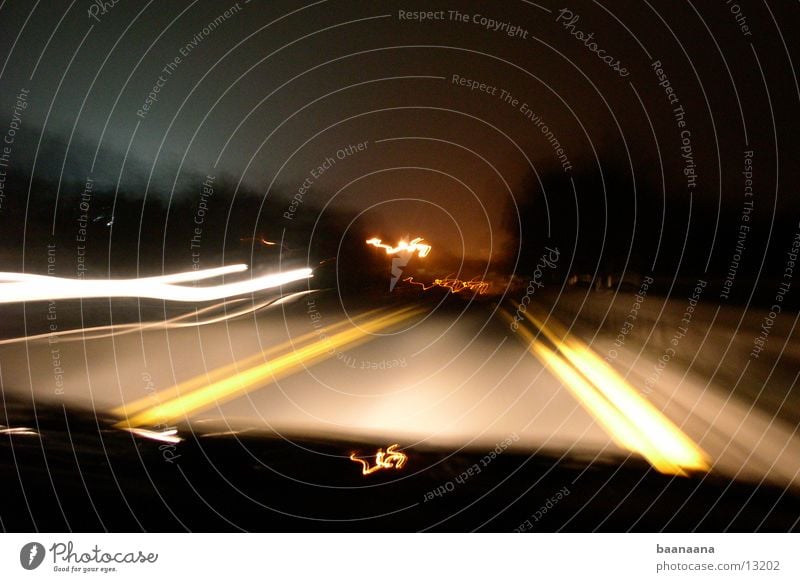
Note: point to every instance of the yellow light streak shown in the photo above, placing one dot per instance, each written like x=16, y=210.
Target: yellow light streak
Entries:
x=415, y=245
x=455, y=285
x=632, y=421
x=255, y=377
x=181, y=388
x=657, y=428
x=391, y=459
x=19, y=287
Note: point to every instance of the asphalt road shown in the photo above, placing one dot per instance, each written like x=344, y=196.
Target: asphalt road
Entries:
x=402, y=369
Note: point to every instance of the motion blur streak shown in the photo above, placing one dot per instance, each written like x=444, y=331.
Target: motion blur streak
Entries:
x=21, y=287
x=391, y=459
x=615, y=424
x=185, y=277
x=18, y=430
x=454, y=285
x=255, y=377
x=630, y=419
x=415, y=245
x=116, y=330
x=656, y=427
x=223, y=372
x=167, y=436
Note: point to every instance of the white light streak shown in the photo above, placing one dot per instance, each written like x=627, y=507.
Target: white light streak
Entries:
x=19, y=287
x=167, y=436
x=177, y=322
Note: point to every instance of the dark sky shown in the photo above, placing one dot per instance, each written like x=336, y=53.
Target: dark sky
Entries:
x=276, y=88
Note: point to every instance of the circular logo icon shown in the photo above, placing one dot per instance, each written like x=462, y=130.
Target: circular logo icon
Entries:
x=31, y=555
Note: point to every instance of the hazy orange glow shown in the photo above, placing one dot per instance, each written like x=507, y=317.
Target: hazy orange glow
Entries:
x=415, y=245
x=454, y=285
x=391, y=459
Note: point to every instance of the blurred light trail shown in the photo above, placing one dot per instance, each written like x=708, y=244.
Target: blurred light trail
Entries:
x=19, y=287
x=391, y=459
x=166, y=436
x=657, y=428
x=632, y=421
x=454, y=285
x=185, y=277
x=241, y=383
x=415, y=245
x=17, y=430
x=264, y=242
x=177, y=322
x=156, y=398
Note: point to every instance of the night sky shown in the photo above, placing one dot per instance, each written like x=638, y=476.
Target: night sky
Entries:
x=605, y=197
x=471, y=117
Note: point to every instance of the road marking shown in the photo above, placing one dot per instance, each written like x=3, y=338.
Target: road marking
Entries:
x=246, y=381
x=200, y=380
x=631, y=420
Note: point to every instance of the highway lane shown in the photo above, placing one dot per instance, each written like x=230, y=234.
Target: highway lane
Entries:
x=445, y=379
x=417, y=374
x=441, y=378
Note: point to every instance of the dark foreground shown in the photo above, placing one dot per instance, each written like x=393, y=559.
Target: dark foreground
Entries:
x=79, y=475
